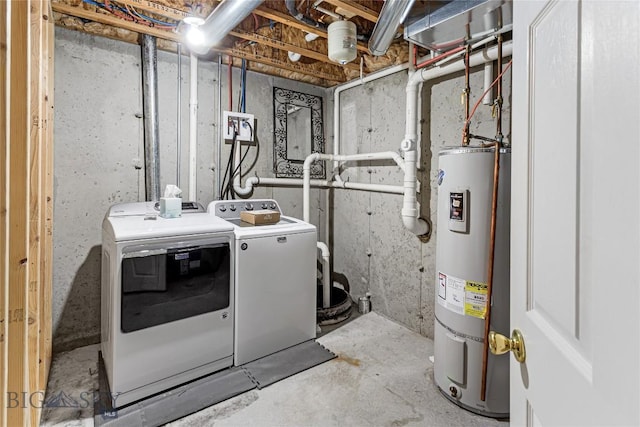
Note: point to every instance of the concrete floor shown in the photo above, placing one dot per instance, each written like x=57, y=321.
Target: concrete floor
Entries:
x=382, y=377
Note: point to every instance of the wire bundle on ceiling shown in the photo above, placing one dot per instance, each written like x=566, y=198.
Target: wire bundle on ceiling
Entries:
x=129, y=13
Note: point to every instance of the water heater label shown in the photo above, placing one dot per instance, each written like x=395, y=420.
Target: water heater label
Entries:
x=451, y=292
x=465, y=297
x=475, y=299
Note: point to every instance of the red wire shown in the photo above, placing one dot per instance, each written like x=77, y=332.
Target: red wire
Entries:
x=475, y=107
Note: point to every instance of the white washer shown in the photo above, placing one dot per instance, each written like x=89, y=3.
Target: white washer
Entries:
x=275, y=292
x=167, y=299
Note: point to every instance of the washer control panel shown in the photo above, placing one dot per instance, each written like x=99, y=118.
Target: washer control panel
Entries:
x=230, y=209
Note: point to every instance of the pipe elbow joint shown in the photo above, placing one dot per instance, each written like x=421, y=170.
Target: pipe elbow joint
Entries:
x=418, y=226
x=407, y=145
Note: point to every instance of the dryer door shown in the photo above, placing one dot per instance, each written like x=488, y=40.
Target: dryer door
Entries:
x=165, y=285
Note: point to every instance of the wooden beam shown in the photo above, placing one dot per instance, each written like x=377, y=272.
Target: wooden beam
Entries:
x=35, y=154
x=289, y=66
x=263, y=40
x=289, y=20
x=157, y=8
x=113, y=20
x=18, y=231
x=46, y=233
x=356, y=9
x=4, y=283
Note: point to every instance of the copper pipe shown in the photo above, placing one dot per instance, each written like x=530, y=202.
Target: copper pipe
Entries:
x=466, y=94
x=499, y=135
x=492, y=250
x=437, y=58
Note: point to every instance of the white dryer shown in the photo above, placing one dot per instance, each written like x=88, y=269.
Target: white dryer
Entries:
x=275, y=290
x=167, y=299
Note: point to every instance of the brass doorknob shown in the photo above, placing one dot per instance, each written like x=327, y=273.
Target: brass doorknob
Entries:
x=499, y=344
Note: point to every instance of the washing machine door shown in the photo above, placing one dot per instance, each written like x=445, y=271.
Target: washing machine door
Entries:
x=164, y=285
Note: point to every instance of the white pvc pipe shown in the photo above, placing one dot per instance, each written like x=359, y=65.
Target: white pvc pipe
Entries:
x=306, y=171
x=336, y=103
x=256, y=181
x=326, y=274
x=488, y=79
x=193, y=127
x=410, y=207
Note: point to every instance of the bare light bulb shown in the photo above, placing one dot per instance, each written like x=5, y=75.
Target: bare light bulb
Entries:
x=195, y=36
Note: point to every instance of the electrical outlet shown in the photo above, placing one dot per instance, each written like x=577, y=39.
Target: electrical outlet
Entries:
x=241, y=124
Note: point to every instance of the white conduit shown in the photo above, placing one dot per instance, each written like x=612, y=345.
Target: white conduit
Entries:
x=193, y=127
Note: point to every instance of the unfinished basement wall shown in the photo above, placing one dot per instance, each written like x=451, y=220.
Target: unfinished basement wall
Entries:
x=99, y=157
x=372, y=249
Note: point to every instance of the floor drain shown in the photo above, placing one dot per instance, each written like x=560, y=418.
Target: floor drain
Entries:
x=338, y=311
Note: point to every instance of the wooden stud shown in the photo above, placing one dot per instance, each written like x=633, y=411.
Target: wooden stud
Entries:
x=35, y=181
x=46, y=194
x=18, y=231
x=5, y=27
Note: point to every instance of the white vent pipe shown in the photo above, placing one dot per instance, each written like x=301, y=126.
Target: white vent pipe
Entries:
x=306, y=170
x=410, y=207
x=193, y=127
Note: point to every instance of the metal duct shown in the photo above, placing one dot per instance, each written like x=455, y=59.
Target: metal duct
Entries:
x=150, y=111
x=222, y=20
x=293, y=11
x=391, y=16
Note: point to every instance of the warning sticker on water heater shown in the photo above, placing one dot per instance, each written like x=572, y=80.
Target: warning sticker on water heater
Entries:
x=475, y=299
x=464, y=297
x=451, y=292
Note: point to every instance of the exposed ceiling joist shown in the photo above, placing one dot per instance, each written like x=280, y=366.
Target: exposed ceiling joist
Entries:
x=356, y=9
x=155, y=7
x=103, y=18
x=263, y=40
x=289, y=66
x=286, y=19
x=271, y=29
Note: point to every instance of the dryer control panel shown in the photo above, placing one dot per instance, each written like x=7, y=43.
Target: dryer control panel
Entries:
x=230, y=209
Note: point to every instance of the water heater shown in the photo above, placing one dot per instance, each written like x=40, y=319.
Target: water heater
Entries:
x=465, y=188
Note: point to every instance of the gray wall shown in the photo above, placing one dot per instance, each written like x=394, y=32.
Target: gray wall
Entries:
x=99, y=142
x=371, y=246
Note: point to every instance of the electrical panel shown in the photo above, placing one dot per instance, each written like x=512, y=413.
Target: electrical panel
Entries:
x=240, y=124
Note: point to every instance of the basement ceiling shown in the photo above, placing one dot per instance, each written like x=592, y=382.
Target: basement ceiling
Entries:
x=264, y=38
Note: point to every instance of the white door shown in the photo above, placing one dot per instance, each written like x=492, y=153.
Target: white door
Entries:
x=575, y=266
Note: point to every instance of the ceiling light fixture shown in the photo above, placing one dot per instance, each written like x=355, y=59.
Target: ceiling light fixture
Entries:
x=224, y=18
